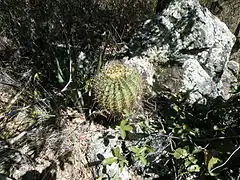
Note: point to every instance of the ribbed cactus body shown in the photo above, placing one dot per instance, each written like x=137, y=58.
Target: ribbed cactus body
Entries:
x=118, y=88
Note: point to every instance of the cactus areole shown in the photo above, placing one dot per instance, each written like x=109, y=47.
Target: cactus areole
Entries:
x=118, y=88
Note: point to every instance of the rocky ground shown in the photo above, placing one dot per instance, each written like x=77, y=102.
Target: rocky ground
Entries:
x=47, y=135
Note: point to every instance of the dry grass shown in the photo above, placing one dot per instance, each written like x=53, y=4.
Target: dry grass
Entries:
x=73, y=165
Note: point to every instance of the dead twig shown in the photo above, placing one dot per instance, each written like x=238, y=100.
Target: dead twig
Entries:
x=223, y=164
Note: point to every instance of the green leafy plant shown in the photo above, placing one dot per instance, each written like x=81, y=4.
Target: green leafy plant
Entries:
x=124, y=127
x=140, y=153
x=117, y=158
x=212, y=162
x=190, y=161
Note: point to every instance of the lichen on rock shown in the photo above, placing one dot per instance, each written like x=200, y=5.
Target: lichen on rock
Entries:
x=197, y=46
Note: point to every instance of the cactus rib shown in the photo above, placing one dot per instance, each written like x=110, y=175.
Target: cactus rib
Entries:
x=118, y=87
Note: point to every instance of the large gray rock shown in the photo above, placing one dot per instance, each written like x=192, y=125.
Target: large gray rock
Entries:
x=185, y=48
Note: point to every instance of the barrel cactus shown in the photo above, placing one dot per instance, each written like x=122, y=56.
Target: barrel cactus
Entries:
x=118, y=88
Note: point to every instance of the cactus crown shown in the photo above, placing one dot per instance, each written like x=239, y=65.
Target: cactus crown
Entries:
x=118, y=88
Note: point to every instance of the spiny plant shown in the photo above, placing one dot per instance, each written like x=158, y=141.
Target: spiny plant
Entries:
x=118, y=88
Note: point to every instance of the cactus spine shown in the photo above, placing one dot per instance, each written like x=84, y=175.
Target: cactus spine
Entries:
x=118, y=87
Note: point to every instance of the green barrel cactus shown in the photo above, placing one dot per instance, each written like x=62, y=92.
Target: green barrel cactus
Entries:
x=118, y=88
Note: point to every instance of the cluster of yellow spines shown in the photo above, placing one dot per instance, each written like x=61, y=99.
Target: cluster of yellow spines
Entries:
x=115, y=71
x=118, y=87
